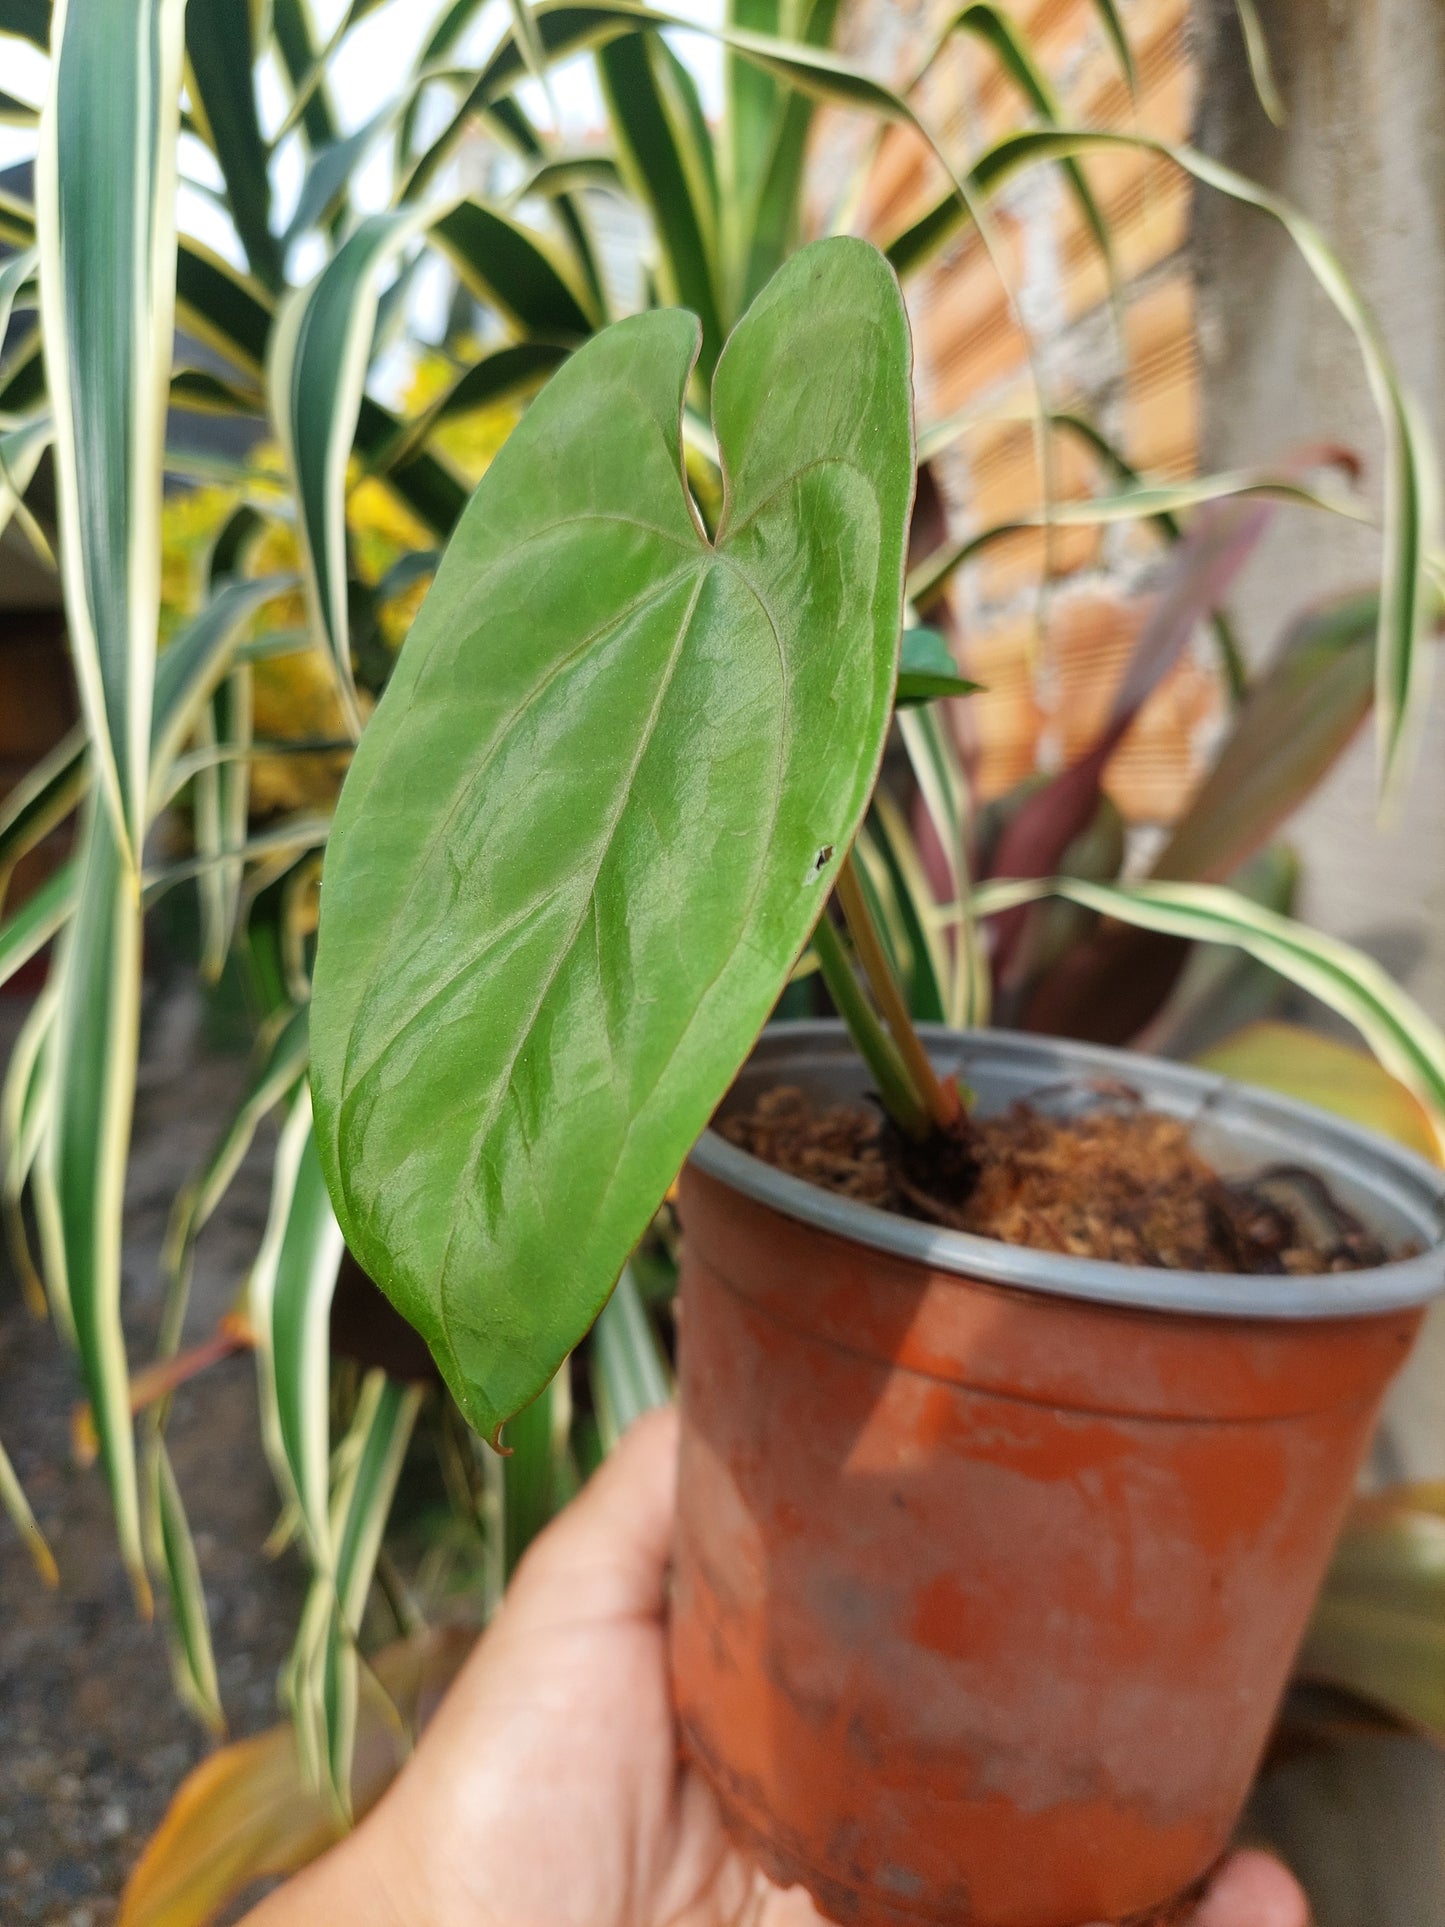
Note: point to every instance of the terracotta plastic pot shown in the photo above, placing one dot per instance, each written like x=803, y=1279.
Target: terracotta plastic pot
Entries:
x=991, y=1564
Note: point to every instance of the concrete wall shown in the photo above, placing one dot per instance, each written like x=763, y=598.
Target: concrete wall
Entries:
x=1364, y=154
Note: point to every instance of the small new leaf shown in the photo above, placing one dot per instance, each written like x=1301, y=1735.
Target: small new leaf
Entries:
x=926, y=669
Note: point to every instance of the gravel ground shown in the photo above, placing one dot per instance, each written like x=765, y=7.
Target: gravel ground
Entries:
x=95, y=1741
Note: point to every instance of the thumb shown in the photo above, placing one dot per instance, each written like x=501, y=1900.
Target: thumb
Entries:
x=606, y=1554
x=1252, y=1889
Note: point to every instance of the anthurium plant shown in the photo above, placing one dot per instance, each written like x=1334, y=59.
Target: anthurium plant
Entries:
x=162, y=793
x=601, y=806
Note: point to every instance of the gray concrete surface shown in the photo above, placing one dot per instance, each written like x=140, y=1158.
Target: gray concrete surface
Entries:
x=1364, y=154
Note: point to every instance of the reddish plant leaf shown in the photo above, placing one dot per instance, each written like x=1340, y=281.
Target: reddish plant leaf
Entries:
x=1287, y=734
x=1201, y=569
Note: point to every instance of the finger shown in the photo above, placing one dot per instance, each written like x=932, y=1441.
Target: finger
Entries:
x=1253, y=1890
x=607, y=1553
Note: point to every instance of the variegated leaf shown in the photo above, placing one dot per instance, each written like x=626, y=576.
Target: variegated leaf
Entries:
x=105, y=202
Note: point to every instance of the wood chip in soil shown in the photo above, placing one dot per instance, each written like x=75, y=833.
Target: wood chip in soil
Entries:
x=1116, y=1181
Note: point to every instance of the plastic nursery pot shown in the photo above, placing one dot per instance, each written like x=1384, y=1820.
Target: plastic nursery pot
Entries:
x=991, y=1563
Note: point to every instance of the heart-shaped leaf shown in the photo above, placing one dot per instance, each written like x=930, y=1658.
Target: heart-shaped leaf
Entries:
x=600, y=807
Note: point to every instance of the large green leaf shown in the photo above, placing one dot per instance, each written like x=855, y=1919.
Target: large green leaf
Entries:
x=105, y=201
x=600, y=806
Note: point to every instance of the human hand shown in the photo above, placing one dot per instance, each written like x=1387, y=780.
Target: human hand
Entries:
x=549, y=1790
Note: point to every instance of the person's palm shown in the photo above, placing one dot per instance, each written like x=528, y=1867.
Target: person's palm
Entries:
x=549, y=1791
x=551, y=1771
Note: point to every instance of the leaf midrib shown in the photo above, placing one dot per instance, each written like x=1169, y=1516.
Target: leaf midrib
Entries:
x=504, y=1081
x=351, y=1080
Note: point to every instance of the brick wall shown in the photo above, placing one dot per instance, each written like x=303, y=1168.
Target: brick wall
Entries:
x=1048, y=621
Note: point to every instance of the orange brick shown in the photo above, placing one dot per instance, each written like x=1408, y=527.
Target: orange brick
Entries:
x=1000, y=726
x=1162, y=389
x=1091, y=638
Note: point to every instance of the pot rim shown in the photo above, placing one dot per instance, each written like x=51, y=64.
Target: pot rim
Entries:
x=1372, y=1168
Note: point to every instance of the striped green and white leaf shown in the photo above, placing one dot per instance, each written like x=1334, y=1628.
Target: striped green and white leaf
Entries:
x=1411, y=505
x=12, y=1497
x=198, y=657
x=1143, y=502
x=628, y=1368
x=891, y=874
x=943, y=791
x=37, y=920
x=996, y=29
x=77, y=1163
x=16, y=276
x=105, y=202
x=85, y=1143
x=289, y=1295
x=1407, y=1042
x=23, y=1099
x=1261, y=65
x=666, y=155
x=220, y=798
x=221, y=50
x=317, y=374
x=41, y=800
x=172, y=1554
x=517, y=272
x=27, y=20
x=537, y=1477
x=322, y=1679
x=278, y=1069
x=22, y=447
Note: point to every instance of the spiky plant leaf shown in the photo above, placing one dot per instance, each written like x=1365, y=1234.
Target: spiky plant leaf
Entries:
x=105, y=201
x=1405, y=1040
